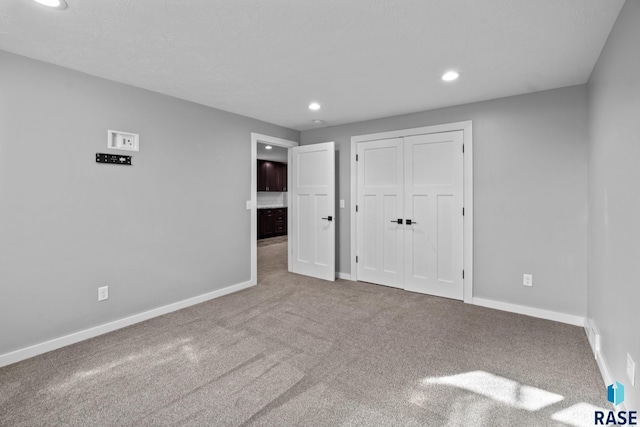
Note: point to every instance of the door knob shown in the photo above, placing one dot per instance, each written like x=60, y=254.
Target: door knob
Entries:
x=409, y=222
x=399, y=221
x=329, y=218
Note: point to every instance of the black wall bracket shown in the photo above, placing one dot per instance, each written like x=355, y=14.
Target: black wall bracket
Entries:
x=115, y=159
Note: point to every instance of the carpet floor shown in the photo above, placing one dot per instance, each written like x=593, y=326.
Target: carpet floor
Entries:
x=295, y=351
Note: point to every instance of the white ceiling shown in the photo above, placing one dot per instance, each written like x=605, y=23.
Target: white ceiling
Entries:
x=361, y=59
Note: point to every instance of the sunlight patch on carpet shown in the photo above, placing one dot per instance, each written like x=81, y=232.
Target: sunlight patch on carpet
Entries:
x=499, y=389
x=578, y=415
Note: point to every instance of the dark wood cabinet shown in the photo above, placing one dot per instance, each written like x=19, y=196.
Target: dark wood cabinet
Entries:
x=265, y=169
x=272, y=222
x=283, y=176
x=272, y=176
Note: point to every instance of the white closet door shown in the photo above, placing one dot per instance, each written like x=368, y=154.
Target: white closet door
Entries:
x=380, y=203
x=313, y=205
x=433, y=243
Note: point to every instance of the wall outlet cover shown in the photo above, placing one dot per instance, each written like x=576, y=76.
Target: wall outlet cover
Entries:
x=103, y=293
x=118, y=140
x=527, y=279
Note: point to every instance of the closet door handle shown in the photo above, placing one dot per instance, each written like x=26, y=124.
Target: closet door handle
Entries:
x=409, y=222
x=399, y=221
x=329, y=218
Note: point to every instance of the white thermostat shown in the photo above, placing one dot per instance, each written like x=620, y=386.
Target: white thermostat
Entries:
x=117, y=140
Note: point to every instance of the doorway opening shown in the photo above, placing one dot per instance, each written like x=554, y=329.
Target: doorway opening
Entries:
x=270, y=218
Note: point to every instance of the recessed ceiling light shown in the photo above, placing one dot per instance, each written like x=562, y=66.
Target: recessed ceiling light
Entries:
x=268, y=147
x=314, y=106
x=55, y=4
x=450, y=76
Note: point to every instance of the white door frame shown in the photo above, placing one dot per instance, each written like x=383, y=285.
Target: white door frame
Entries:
x=271, y=140
x=466, y=128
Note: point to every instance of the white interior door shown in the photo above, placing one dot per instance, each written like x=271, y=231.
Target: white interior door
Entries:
x=410, y=223
x=313, y=210
x=433, y=242
x=380, y=206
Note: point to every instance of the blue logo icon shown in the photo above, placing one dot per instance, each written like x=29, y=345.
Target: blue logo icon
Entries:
x=615, y=394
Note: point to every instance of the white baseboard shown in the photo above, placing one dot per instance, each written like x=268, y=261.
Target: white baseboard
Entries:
x=593, y=336
x=34, y=350
x=530, y=311
x=345, y=276
x=590, y=326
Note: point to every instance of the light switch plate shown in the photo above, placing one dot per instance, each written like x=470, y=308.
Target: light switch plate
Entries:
x=341, y=203
x=248, y=204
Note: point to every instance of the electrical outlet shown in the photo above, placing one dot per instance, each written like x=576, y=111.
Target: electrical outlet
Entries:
x=127, y=142
x=342, y=203
x=118, y=140
x=103, y=293
x=527, y=279
x=631, y=370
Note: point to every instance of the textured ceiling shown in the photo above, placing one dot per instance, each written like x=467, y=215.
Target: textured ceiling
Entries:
x=361, y=59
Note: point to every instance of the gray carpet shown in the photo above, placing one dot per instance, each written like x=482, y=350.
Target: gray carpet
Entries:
x=272, y=241
x=295, y=351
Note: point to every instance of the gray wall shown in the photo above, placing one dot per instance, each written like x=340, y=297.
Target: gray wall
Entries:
x=614, y=198
x=530, y=166
x=171, y=227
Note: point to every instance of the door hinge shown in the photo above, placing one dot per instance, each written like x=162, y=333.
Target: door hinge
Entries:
x=462, y=211
x=463, y=274
x=356, y=157
x=356, y=208
x=356, y=258
x=463, y=148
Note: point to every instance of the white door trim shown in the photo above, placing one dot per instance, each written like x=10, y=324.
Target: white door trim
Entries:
x=466, y=128
x=271, y=140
